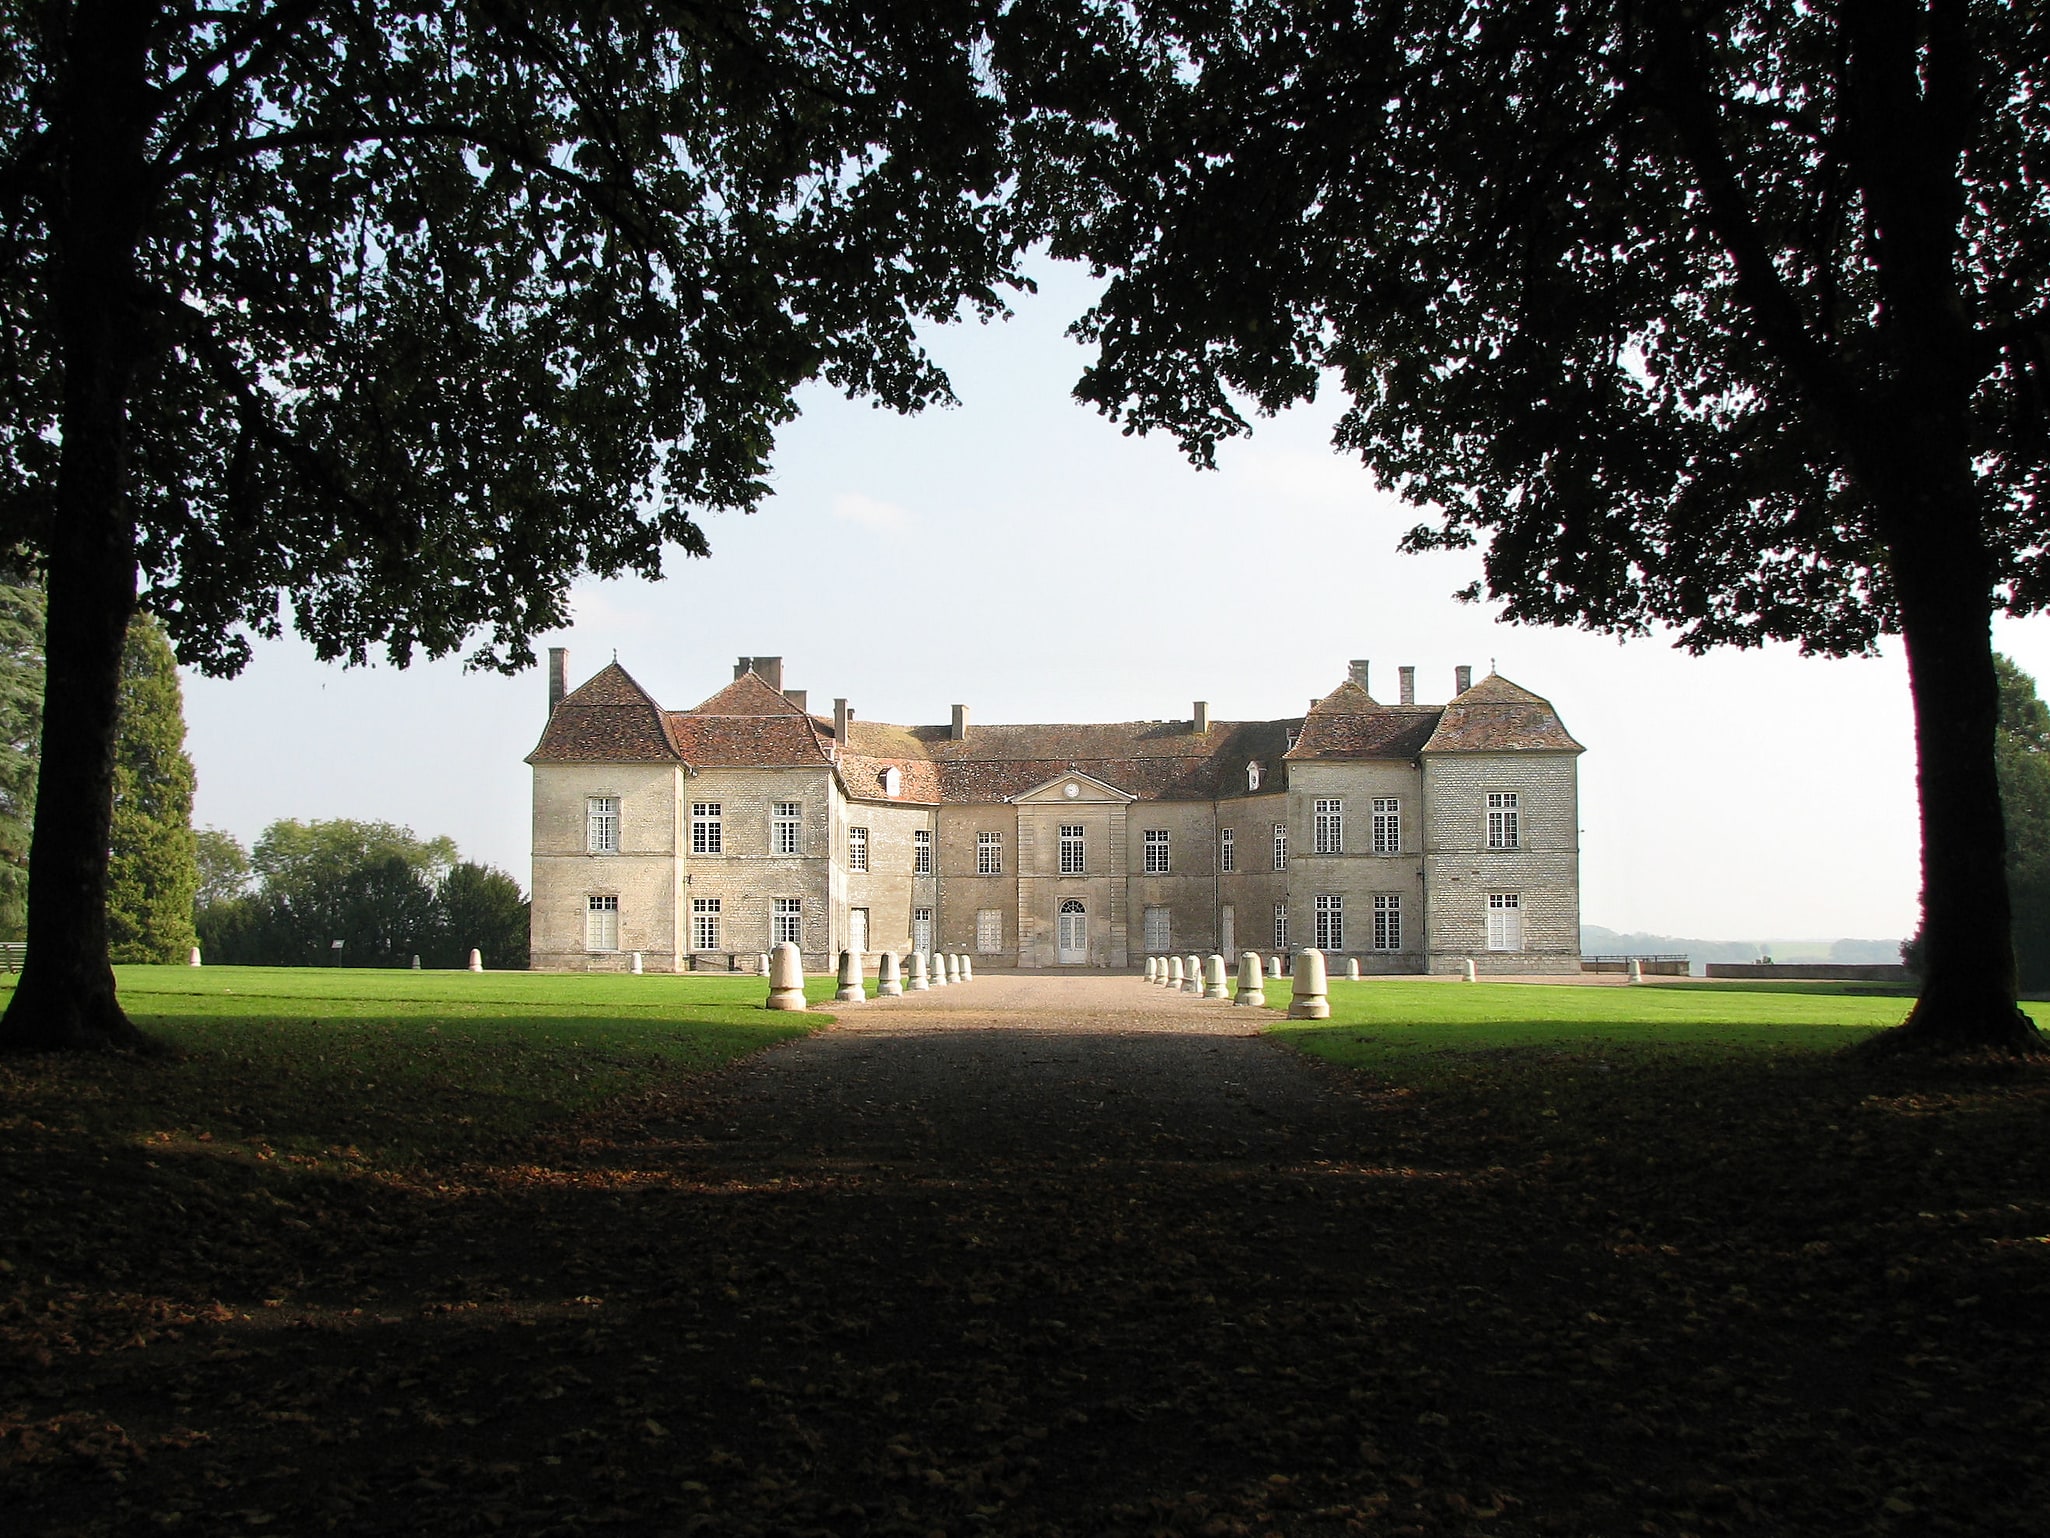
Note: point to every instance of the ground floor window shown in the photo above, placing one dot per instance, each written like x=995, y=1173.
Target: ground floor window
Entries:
x=1158, y=934
x=1387, y=921
x=786, y=921
x=921, y=930
x=1505, y=921
x=1281, y=926
x=601, y=924
x=704, y=923
x=1330, y=922
x=989, y=930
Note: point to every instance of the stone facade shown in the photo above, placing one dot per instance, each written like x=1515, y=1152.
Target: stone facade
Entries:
x=1409, y=838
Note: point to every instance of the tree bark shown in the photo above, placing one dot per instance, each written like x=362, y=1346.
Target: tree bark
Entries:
x=1968, y=1000
x=66, y=998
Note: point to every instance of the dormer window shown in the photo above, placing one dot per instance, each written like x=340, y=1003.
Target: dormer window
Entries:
x=1294, y=737
x=893, y=782
x=1252, y=776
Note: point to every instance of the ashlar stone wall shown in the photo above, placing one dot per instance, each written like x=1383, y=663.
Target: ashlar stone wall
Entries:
x=1543, y=871
x=643, y=875
x=1355, y=874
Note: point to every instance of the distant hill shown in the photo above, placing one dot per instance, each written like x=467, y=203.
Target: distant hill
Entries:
x=1597, y=941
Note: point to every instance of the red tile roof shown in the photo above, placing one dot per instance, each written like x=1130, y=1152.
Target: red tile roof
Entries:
x=1496, y=716
x=749, y=724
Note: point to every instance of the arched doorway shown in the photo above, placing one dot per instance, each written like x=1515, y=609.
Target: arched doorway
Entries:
x=1072, y=940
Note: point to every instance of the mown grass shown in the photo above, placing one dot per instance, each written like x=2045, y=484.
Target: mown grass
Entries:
x=1417, y=1030
x=395, y=1067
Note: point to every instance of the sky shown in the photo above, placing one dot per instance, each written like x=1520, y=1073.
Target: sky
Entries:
x=1019, y=554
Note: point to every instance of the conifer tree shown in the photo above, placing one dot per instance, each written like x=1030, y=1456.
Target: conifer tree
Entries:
x=153, y=869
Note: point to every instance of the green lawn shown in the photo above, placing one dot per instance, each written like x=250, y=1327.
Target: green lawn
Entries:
x=394, y=1067
x=1390, y=1024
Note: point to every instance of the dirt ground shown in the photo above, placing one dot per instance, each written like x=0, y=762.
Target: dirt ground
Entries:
x=1025, y=1256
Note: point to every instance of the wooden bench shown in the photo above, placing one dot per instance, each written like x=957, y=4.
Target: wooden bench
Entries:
x=12, y=953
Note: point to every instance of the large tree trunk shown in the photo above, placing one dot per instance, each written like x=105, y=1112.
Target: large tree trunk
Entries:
x=65, y=999
x=1941, y=577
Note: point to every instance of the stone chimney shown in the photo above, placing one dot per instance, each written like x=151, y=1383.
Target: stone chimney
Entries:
x=742, y=668
x=1356, y=670
x=960, y=731
x=1408, y=677
x=1462, y=679
x=796, y=697
x=558, y=676
x=1202, y=717
x=770, y=671
x=841, y=717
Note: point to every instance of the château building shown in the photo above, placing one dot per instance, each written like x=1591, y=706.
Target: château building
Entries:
x=1411, y=837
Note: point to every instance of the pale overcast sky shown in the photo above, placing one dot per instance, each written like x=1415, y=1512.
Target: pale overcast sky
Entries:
x=1021, y=555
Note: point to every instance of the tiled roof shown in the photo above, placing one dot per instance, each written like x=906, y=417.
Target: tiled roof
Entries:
x=1496, y=716
x=749, y=724
x=610, y=719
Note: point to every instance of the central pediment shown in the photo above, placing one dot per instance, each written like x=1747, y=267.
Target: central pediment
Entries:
x=1072, y=789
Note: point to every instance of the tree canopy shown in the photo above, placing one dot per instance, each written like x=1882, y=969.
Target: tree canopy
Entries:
x=1733, y=318
x=153, y=864
x=389, y=322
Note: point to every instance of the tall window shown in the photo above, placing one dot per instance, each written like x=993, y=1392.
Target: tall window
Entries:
x=1156, y=851
x=601, y=824
x=921, y=929
x=706, y=835
x=1281, y=926
x=1157, y=934
x=989, y=930
x=704, y=923
x=601, y=924
x=857, y=849
x=1505, y=921
x=1281, y=846
x=1387, y=921
x=1071, y=849
x=1330, y=922
x=989, y=854
x=785, y=820
x=786, y=920
x=1227, y=850
x=1503, y=817
x=1387, y=825
x=921, y=851
x=1330, y=827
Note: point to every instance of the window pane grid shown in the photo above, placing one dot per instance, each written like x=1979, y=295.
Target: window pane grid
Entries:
x=704, y=923
x=1330, y=922
x=1330, y=827
x=706, y=836
x=1504, y=816
x=1281, y=846
x=1387, y=825
x=786, y=920
x=601, y=824
x=857, y=849
x=989, y=930
x=1227, y=851
x=1387, y=921
x=921, y=851
x=601, y=923
x=989, y=854
x=1158, y=935
x=1156, y=852
x=788, y=817
x=1071, y=849
x=1281, y=926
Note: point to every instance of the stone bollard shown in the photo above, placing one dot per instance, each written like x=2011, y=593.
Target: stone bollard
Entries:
x=1160, y=967
x=416, y=963
x=953, y=968
x=1274, y=965
x=786, y=977
x=1149, y=968
x=1636, y=970
x=193, y=959
x=939, y=970
x=850, y=991
x=888, y=985
x=634, y=966
x=1311, y=1001
x=762, y=963
x=1213, y=978
x=916, y=982
x=1466, y=969
x=1192, y=975
x=1174, y=973
x=1251, y=990
x=476, y=961
x=1352, y=969
x=967, y=968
